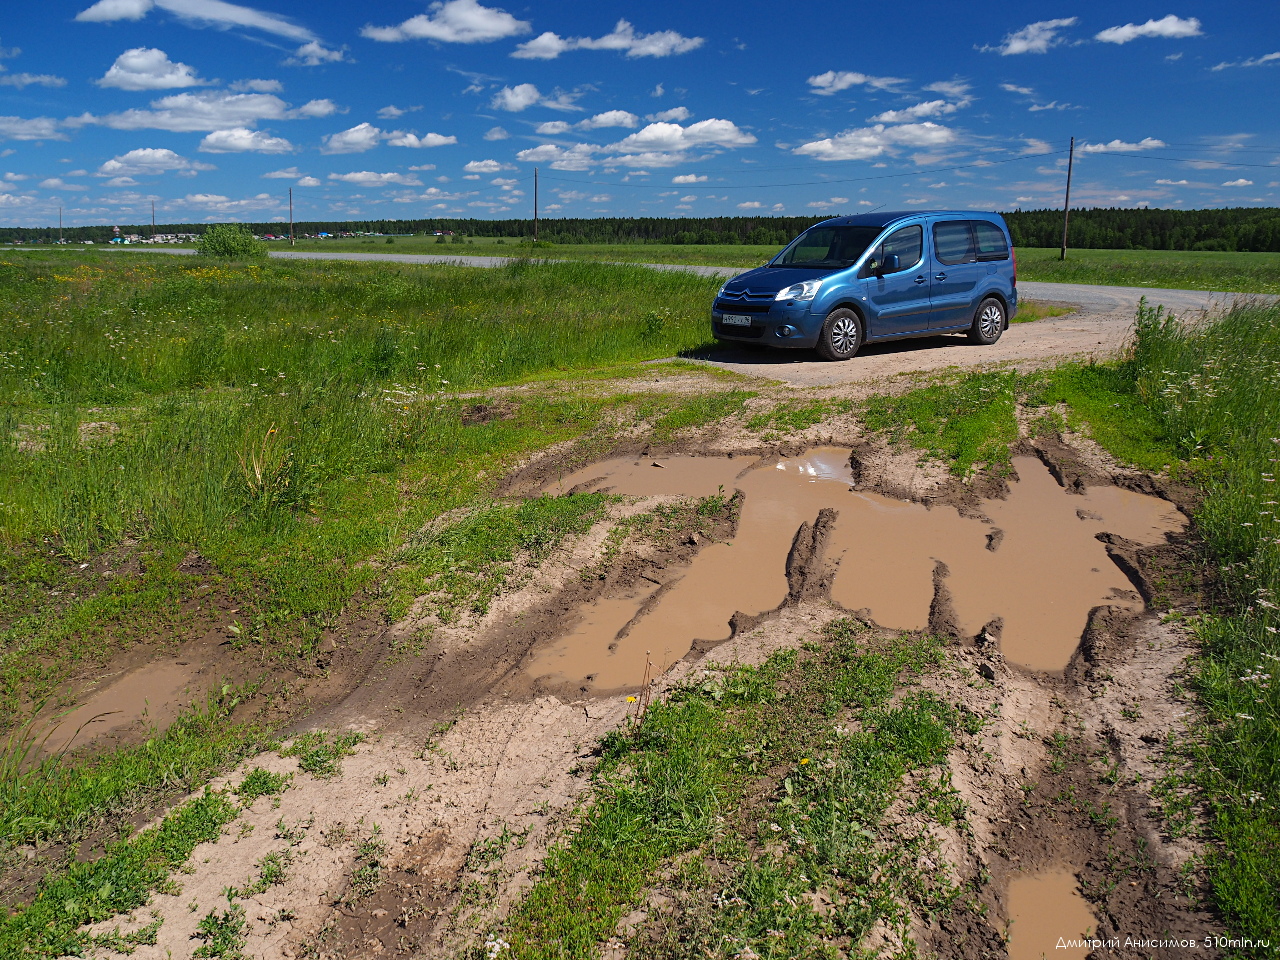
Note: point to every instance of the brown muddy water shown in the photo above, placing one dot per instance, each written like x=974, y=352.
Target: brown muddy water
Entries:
x=1037, y=564
x=152, y=695
x=1043, y=909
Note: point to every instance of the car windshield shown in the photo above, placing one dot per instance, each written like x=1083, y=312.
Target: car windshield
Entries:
x=829, y=247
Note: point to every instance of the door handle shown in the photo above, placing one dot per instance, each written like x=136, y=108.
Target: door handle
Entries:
x=921, y=280
x=939, y=276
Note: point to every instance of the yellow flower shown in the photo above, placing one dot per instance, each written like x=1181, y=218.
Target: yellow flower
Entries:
x=631, y=699
x=805, y=760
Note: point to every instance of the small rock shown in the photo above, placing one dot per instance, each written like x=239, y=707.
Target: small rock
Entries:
x=987, y=671
x=379, y=913
x=328, y=645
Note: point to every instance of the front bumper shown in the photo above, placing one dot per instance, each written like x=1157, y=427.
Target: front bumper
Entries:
x=787, y=324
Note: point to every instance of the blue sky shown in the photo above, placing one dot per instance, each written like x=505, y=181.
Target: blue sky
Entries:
x=403, y=108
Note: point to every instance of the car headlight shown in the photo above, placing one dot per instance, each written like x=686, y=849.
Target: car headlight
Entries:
x=723, y=287
x=800, y=291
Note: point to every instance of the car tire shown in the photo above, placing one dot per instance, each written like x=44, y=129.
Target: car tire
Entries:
x=988, y=322
x=841, y=335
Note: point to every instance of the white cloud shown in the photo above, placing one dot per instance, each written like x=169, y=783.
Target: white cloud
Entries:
x=1121, y=146
x=676, y=114
x=423, y=166
x=689, y=178
x=955, y=89
x=146, y=68
x=314, y=54
x=930, y=108
x=398, y=138
x=453, y=21
x=121, y=182
x=750, y=205
x=244, y=140
x=216, y=202
x=496, y=133
x=865, y=143
x=308, y=182
x=610, y=118
x=256, y=86
x=391, y=112
x=834, y=81
x=1036, y=145
x=317, y=108
x=517, y=98
x=357, y=139
x=1174, y=183
x=149, y=161
x=1251, y=62
x=1035, y=37
x=365, y=136
x=367, y=178
x=1014, y=88
x=1051, y=105
x=21, y=80
x=36, y=128
x=672, y=136
x=581, y=156
x=664, y=43
x=1170, y=27
x=287, y=174
x=194, y=112
x=553, y=128
x=1242, y=182
x=212, y=12
x=55, y=183
x=828, y=204
x=688, y=199
x=487, y=166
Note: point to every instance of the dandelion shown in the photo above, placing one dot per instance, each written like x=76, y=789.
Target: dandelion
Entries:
x=631, y=699
x=804, y=761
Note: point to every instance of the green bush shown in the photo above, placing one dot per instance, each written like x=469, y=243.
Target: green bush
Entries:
x=231, y=241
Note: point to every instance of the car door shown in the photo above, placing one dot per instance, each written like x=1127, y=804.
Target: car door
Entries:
x=899, y=300
x=954, y=275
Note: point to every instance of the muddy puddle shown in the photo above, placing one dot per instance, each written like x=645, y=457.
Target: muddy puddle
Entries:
x=1044, y=909
x=1037, y=565
x=149, y=696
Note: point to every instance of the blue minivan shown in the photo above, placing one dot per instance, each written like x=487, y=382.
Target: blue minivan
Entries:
x=872, y=277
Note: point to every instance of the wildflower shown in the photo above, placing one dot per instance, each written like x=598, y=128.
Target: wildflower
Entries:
x=804, y=761
x=775, y=828
x=631, y=699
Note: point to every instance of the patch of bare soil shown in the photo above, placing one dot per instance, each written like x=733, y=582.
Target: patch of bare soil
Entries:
x=438, y=823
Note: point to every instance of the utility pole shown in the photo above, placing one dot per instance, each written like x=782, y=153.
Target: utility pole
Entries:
x=59, y=225
x=153, y=219
x=1066, y=204
x=291, y=216
x=535, y=204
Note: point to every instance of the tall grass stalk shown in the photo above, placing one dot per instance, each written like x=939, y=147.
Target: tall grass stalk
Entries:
x=1216, y=384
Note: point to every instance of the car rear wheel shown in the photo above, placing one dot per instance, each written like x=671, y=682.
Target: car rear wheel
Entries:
x=988, y=322
x=841, y=335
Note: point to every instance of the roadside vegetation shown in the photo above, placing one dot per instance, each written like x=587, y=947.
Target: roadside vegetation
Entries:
x=1171, y=269
x=248, y=447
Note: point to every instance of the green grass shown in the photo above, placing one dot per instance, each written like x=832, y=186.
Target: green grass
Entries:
x=1030, y=311
x=965, y=422
x=1180, y=269
x=1215, y=388
x=120, y=880
x=789, y=417
x=678, y=782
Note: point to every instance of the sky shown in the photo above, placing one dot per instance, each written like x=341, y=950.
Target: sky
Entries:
x=212, y=110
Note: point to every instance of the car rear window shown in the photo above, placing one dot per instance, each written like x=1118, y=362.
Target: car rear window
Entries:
x=953, y=241
x=992, y=244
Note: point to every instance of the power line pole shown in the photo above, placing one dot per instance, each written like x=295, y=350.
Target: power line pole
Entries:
x=291, y=216
x=535, y=204
x=59, y=224
x=153, y=219
x=1066, y=204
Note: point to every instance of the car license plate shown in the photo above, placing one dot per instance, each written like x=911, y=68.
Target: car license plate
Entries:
x=735, y=320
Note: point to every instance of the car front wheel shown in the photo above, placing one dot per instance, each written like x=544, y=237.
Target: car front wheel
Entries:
x=841, y=335
x=988, y=322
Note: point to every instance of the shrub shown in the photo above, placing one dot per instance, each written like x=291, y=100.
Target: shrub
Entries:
x=231, y=241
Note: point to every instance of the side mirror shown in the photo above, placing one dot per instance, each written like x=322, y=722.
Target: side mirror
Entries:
x=889, y=264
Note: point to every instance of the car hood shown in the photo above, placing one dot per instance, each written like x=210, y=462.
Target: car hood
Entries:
x=772, y=279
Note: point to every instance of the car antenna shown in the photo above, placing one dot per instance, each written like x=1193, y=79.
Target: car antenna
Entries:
x=876, y=207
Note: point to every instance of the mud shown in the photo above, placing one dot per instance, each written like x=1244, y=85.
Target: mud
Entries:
x=1044, y=907
x=1033, y=562
x=150, y=697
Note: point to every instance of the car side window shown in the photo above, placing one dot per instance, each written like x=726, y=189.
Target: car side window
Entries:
x=953, y=242
x=907, y=244
x=992, y=244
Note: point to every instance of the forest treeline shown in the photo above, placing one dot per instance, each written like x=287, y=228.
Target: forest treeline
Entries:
x=1237, y=228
